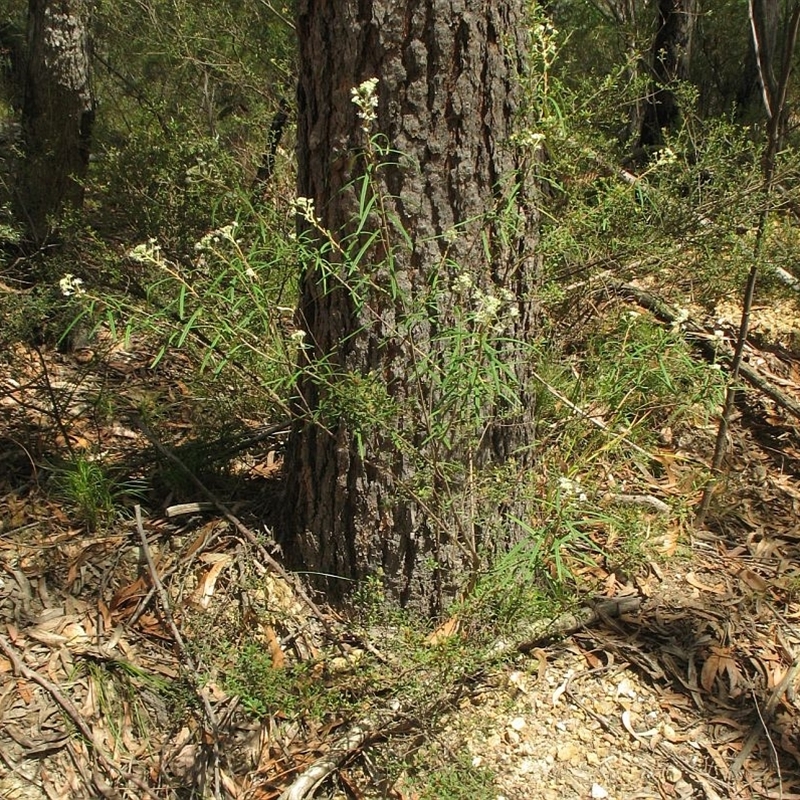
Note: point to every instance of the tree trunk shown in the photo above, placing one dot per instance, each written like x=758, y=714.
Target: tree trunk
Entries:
x=57, y=113
x=386, y=466
x=765, y=22
x=672, y=48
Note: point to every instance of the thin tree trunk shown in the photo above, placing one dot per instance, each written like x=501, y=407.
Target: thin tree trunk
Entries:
x=672, y=47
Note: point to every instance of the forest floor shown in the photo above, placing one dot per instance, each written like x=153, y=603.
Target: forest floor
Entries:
x=169, y=656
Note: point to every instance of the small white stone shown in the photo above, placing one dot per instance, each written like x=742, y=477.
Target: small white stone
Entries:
x=673, y=774
x=518, y=723
x=626, y=689
x=598, y=792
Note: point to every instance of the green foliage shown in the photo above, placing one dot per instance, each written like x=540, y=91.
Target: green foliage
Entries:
x=162, y=185
x=94, y=495
x=640, y=372
x=288, y=691
x=459, y=780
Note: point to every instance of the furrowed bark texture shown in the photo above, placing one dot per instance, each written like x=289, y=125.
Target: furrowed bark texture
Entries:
x=57, y=113
x=449, y=89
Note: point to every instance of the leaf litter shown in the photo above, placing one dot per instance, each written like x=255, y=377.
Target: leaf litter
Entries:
x=693, y=694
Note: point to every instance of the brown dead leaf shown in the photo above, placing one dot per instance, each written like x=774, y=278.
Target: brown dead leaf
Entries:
x=668, y=543
x=753, y=580
x=541, y=658
x=694, y=581
x=445, y=631
x=719, y=663
x=208, y=581
x=201, y=538
x=25, y=693
x=132, y=592
x=105, y=614
x=278, y=656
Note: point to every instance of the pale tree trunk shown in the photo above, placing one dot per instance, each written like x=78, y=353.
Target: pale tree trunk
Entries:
x=671, y=57
x=57, y=113
x=393, y=500
x=765, y=22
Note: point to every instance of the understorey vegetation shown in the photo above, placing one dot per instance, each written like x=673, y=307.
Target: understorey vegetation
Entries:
x=518, y=411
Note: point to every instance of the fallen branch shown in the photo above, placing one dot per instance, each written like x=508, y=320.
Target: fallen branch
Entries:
x=534, y=634
x=393, y=717
x=309, y=781
x=186, y=656
x=706, y=343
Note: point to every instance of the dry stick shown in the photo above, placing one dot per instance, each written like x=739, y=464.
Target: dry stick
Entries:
x=769, y=711
x=589, y=417
x=238, y=524
x=775, y=106
x=21, y=668
x=186, y=656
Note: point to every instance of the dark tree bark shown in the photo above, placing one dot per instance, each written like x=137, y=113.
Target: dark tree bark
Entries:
x=672, y=47
x=57, y=112
x=379, y=500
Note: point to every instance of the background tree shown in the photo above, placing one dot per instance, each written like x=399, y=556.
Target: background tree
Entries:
x=57, y=112
x=671, y=61
x=378, y=494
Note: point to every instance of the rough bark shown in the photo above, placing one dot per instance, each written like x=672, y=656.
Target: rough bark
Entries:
x=57, y=112
x=672, y=46
x=449, y=90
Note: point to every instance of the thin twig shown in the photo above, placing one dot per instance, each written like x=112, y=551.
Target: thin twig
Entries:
x=54, y=401
x=588, y=417
x=775, y=106
x=238, y=524
x=775, y=758
x=764, y=719
x=186, y=656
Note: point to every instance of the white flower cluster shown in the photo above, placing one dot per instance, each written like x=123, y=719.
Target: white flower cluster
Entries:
x=213, y=238
x=572, y=488
x=298, y=338
x=147, y=253
x=490, y=310
x=365, y=97
x=70, y=285
x=543, y=38
x=529, y=139
x=666, y=156
x=304, y=206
